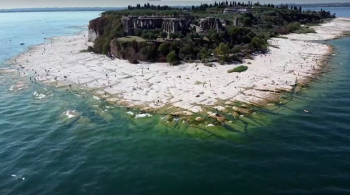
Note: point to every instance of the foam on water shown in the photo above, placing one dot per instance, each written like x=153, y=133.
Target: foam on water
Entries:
x=130, y=113
x=96, y=98
x=142, y=115
x=71, y=113
x=42, y=94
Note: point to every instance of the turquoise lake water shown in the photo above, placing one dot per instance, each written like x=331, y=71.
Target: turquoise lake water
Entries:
x=105, y=152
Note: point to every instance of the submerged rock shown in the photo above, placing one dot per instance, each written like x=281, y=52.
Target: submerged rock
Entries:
x=199, y=119
x=18, y=86
x=217, y=116
x=147, y=109
x=241, y=110
x=221, y=119
x=182, y=113
x=220, y=108
x=112, y=100
x=8, y=71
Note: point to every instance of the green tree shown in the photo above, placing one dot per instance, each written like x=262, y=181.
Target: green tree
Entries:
x=186, y=51
x=203, y=54
x=258, y=44
x=153, y=36
x=163, y=35
x=172, y=58
x=293, y=26
x=237, y=49
x=145, y=36
x=222, y=50
x=106, y=48
x=173, y=36
x=164, y=48
x=146, y=53
x=138, y=32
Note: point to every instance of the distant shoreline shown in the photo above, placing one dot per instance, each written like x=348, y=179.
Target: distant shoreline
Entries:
x=71, y=9
x=19, y=10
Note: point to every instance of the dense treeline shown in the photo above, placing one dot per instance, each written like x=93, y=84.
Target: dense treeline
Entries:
x=231, y=43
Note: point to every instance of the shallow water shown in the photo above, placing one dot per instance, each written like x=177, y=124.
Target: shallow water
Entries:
x=58, y=142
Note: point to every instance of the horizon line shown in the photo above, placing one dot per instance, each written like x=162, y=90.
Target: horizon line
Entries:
x=102, y=7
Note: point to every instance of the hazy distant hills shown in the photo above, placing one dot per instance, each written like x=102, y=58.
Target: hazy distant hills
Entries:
x=54, y=9
x=119, y=8
x=326, y=5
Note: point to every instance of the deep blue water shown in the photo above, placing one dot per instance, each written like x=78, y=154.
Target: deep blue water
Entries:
x=105, y=152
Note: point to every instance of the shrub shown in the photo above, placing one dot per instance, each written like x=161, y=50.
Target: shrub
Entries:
x=138, y=32
x=235, y=58
x=106, y=48
x=186, y=52
x=238, y=69
x=90, y=49
x=293, y=26
x=222, y=50
x=236, y=49
x=282, y=31
x=305, y=30
x=173, y=36
x=146, y=53
x=224, y=59
x=249, y=56
x=172, y=58
x=164, y=49
x=263, y=49
x=154, y=36
x=163, y=35
x=98, y=45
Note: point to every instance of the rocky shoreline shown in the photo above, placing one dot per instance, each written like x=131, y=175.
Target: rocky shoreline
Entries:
x=190, y=88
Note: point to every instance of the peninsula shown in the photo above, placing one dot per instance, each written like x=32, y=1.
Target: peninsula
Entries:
x=184, y=61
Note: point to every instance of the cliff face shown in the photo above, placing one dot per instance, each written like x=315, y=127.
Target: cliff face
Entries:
x=125, y=50
x=96, y=28
x=92, y=35
x=116, y=50
x=134, y=51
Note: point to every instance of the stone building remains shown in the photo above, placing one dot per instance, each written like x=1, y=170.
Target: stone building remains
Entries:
x=212, y=23
x=231, y=10
x=169, y=25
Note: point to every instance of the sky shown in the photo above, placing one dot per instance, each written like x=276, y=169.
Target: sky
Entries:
x=8, y=4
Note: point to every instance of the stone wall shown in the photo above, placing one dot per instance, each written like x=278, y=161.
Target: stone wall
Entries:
x=211, y=23
x=169, y=25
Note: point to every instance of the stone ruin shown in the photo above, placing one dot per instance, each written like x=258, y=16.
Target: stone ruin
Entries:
x=169, y=25
x=212, y=23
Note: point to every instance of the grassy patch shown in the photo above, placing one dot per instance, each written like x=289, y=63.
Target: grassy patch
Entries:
x=199, y=83
x=238, y=69
x=131, y=38
x=305, y=30
x=84, y=51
